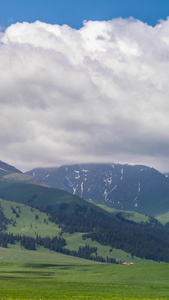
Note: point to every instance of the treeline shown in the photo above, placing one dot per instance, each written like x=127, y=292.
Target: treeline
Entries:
x=55, y=244
x=6, y=238
x=31, y=243
x=147, y=244
x=3, y=220
x=87, y=253
x=149, y=240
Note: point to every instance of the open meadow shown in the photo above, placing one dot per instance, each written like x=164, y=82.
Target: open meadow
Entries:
x=47, y=275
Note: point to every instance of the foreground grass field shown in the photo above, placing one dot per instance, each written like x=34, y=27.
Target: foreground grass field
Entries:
x=48, y=275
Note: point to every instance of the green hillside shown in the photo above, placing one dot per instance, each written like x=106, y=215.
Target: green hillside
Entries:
x=74, y=240
x=129, y=215
x=16, y=253
x=6, y=176
x=48, y=199
x=163, y=218
x=32, y=222
x=28, y=221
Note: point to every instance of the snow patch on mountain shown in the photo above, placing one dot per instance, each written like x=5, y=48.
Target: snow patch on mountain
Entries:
x=3, y=170
x=81, y=194
x=46, y=176
x=107, y=193
x=85, y=171
x=135, y=199
x=74, y=189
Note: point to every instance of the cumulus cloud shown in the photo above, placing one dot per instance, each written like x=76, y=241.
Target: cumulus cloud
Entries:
x=97, y=94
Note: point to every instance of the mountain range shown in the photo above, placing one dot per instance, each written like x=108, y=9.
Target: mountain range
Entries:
x=86, y=228
x=136, y=188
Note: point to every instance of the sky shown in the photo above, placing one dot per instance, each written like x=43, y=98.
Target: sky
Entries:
x=84, y=82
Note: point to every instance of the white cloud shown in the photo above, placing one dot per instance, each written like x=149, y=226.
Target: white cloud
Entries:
x=98, y=94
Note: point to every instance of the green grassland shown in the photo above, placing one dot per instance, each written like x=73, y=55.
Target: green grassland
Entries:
x=16, y=253
x=48, y=275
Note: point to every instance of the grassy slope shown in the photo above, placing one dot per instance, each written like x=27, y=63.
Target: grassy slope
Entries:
x=28, y=225
x=74, y=240
x=16, y=253
x=16, y=177
x=129, y=215
x=163, y=218
x=134, y=216
x=7, y=176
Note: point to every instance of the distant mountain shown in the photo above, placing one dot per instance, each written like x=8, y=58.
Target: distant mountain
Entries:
x=136, y=188
x=5, y=167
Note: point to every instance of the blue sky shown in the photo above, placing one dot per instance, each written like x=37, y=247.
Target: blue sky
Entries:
x=73, y=12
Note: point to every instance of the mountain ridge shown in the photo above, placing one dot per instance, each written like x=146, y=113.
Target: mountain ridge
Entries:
x=121, y=186
x=8, y=168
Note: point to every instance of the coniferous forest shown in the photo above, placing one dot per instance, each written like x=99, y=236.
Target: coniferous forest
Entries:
x=148, y=240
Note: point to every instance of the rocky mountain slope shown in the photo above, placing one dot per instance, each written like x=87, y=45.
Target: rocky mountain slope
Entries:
x=136, y=188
